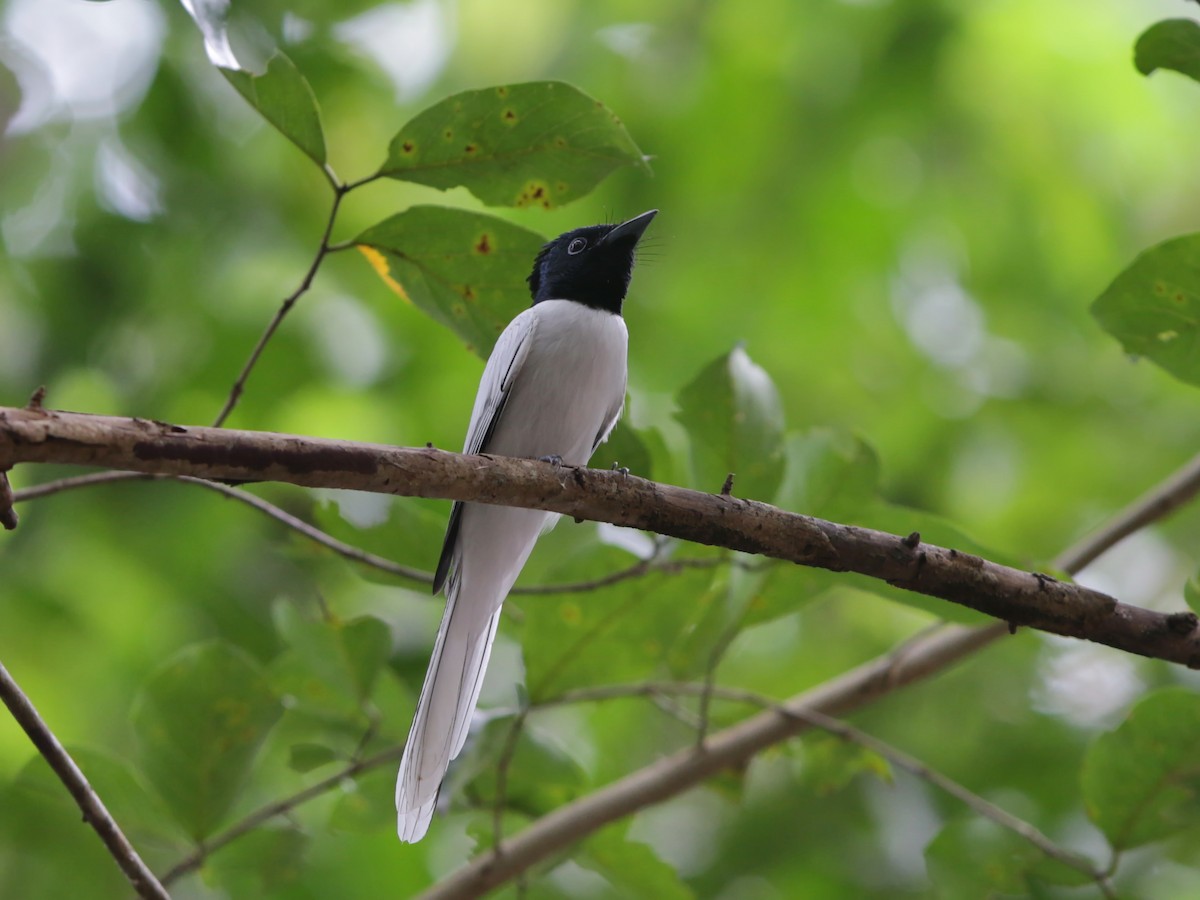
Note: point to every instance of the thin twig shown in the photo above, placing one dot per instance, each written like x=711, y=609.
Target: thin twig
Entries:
x=50, y=488
x=502, y=766
x=1155, y=504
x=94, y=811
x=648, y=566
x=280, y=807
x=235, y=392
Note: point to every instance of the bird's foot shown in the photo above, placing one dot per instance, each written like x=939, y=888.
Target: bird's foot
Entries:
x=617, y=467
x=554, y=459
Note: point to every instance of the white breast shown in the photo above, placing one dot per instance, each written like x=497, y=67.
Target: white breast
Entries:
x=570, y=388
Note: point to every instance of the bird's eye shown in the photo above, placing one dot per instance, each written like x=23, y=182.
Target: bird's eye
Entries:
x=576, y=246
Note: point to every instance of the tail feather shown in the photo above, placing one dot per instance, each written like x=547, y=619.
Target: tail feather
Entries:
x=443, y=716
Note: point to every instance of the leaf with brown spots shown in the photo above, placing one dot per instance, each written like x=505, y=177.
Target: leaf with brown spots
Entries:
x=1153, y=307
x=465, y=269
x=537, y=144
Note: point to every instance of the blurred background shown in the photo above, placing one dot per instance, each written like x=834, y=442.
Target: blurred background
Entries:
x=903, y=210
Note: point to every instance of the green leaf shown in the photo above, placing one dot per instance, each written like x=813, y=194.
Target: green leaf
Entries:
x=1140, y=782
x=261, y=863
x=200, y=720
x=1153, y=307
x=625, y=449
x=367, y=804
x=412, y=535
x=1191, y=593
x=979, y=858
x=734, y=419
x=286, y=100
x=606, y=636
x=541, y=144
x=305, y=757
x=329, y=667
x=831, y=474
x=631, y=867
x=541, y=776
x=1172, y=44
x=465, y=269
x=830, y=764
x=835, y=475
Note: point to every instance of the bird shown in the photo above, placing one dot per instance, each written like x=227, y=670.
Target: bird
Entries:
x=553, y=389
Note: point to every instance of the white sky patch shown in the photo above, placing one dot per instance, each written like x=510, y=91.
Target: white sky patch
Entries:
x=410, y=42
x=1143, y=569
x=211, y=17
x=89, y=60
x=360, y=508
x=631, y=540
x=1088, y=685
x=349, y=339
x=125, y=186
x=629, y=39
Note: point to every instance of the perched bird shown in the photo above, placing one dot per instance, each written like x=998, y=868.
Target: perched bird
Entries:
x=552, y=389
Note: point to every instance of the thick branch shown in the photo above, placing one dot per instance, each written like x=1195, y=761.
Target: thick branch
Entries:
x=1012, y=595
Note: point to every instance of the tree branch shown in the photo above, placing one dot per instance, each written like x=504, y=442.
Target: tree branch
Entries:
x=924, y=655
x=94, y=811
x=1012, y=595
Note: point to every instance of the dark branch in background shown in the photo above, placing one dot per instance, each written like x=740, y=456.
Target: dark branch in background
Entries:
x=653, y=564
x=850, y=734
x=1012, y=595
x=94, y=811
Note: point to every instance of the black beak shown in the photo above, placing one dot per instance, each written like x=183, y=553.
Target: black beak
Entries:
x=631, y=229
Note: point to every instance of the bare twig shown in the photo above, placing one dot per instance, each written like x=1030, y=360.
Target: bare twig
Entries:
x=235, y=392
x=1157, y=503
x=502, y=765
x=651, y=565
x=94, y=811
x=280, y=807
x=1014, y=596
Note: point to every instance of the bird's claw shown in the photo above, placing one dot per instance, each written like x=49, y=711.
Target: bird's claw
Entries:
x=554, y=459
x=617, y=467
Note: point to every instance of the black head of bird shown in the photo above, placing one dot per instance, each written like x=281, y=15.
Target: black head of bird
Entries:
x=589, y=265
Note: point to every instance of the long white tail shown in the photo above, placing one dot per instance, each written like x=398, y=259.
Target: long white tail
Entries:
x=448, y=698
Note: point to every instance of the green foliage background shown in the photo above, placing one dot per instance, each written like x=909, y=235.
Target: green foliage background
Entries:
x=901, y=212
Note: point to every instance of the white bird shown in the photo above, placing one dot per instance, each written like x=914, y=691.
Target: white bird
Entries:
x=553, y=388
